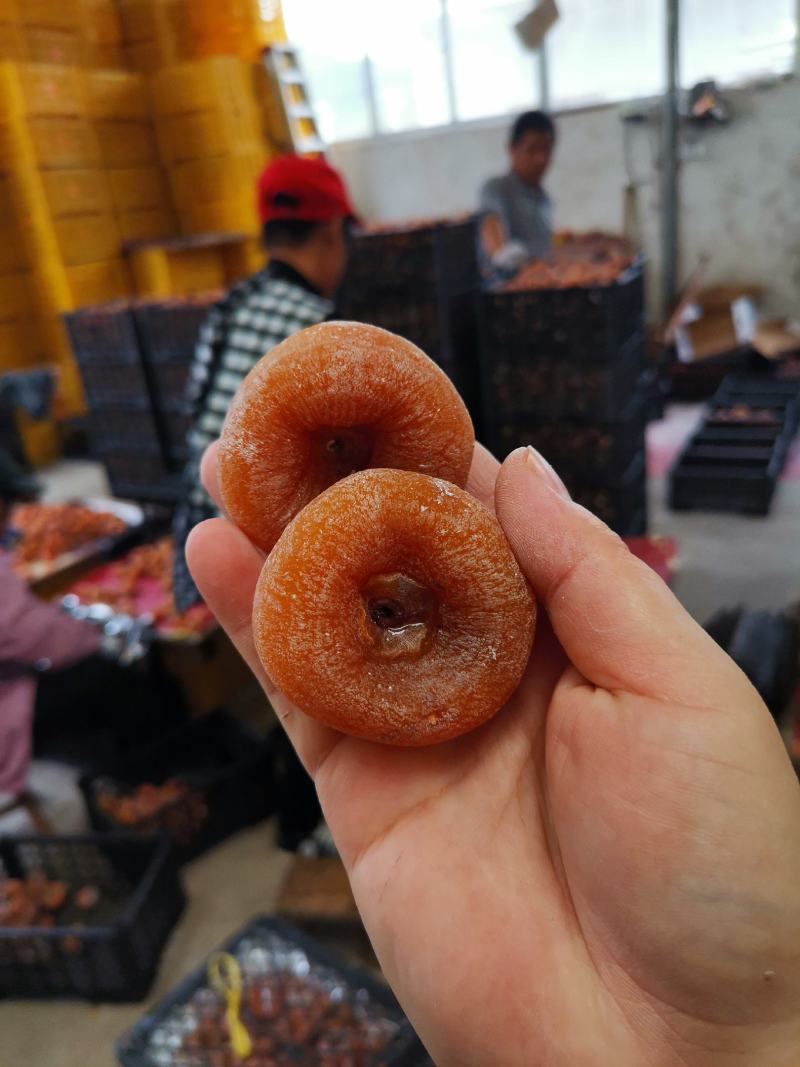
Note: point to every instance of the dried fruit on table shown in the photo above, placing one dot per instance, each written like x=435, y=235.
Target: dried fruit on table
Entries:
x=51, y=530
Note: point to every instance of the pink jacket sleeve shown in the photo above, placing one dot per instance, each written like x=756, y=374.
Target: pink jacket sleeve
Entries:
x=32, y=631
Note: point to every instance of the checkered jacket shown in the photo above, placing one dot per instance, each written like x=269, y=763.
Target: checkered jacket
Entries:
x=255, y=316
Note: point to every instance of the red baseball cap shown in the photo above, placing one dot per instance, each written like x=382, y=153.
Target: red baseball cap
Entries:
x=309, y=190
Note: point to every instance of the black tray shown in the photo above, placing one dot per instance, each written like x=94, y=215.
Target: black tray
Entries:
x=267, y=945
x=227, y=767
x=114, y=959
x=743, y=486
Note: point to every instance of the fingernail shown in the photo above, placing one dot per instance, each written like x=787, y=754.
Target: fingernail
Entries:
x=543, y=470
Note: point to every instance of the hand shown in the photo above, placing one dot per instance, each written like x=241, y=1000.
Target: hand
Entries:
x=607, y=874
x=510, y=257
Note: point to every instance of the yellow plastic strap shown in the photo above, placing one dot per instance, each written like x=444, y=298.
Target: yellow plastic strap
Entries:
x=225, y=976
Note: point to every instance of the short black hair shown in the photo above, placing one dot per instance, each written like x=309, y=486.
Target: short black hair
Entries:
x=532, y=122
x=288, y=233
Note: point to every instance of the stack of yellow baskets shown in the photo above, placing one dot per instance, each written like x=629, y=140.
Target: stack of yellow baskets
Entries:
x=120, y=121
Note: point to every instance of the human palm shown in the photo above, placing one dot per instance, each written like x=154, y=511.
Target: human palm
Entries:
x=607, y=874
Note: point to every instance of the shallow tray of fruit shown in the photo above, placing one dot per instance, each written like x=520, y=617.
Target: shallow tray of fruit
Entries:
x=140, y=585
x=300, y=1004
x=50, y=538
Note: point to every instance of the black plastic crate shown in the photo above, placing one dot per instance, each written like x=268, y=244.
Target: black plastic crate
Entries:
x=106, y=347
x=169, y=331
x=271, y=951
x=439, y=259
x=619, y=502
x=444, y=328
x=228, y=772
x=594, y=448
x=121, y=424
x=113, y=957
x=520, y=384
x=141, y=474
x=578, y=323
x=178, y=420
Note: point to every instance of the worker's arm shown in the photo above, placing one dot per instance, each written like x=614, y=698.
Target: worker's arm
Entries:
x=492, y=234
x=504, y=253
x=32, y=632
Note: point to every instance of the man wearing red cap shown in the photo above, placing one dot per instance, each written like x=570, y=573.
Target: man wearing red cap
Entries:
x=305, y=213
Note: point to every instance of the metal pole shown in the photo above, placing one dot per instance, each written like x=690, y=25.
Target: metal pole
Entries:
x=447, y=56
x=670, y=163
x=372, y=99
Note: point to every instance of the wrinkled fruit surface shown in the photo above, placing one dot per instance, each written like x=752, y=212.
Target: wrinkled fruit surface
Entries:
x=392, y=608
x=333, y=399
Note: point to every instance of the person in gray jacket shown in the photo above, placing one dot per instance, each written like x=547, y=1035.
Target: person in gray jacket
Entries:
x=516, y=212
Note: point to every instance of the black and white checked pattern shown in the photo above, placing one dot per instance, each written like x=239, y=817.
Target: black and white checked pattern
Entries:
x=254, y=316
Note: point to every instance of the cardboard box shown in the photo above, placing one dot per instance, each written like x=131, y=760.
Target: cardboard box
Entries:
x=99, y=283
x=223, y=83
x=76, y=192
x=40, y=89
x=49, y=44
x=117, y=94
x=777, y=338
x=87, y=239
x=101, y=22
x=714, y=321
x=62, y=143
x=208, y=133
x=126, y=143
x=61, y=14
x=21, y=343
x=534, y=27
x=217, y=178
x=139, y=189
x=17, y=296
x=146, y=225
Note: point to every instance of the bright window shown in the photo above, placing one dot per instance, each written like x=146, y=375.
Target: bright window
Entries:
x=334, y=60
x=378, y=67
x=492, y=73
x=405, y=47
x=605, y=50
x=734, y=40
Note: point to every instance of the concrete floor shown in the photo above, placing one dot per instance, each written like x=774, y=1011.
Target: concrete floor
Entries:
x=722, y=560
x=730, y=559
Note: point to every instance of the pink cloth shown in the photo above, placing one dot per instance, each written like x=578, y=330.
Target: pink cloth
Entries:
x=31, y=633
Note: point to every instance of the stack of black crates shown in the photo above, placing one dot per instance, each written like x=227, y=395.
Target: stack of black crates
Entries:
x=134, y=361
x=562, y=370
x=421, y=282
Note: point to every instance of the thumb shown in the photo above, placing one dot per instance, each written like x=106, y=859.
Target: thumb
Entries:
x=615, y=618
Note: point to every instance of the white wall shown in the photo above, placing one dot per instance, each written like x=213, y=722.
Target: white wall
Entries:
x=740, y=184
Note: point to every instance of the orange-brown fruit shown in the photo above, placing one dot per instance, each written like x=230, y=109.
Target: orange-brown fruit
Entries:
x=333, y=399
x=392, y=608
